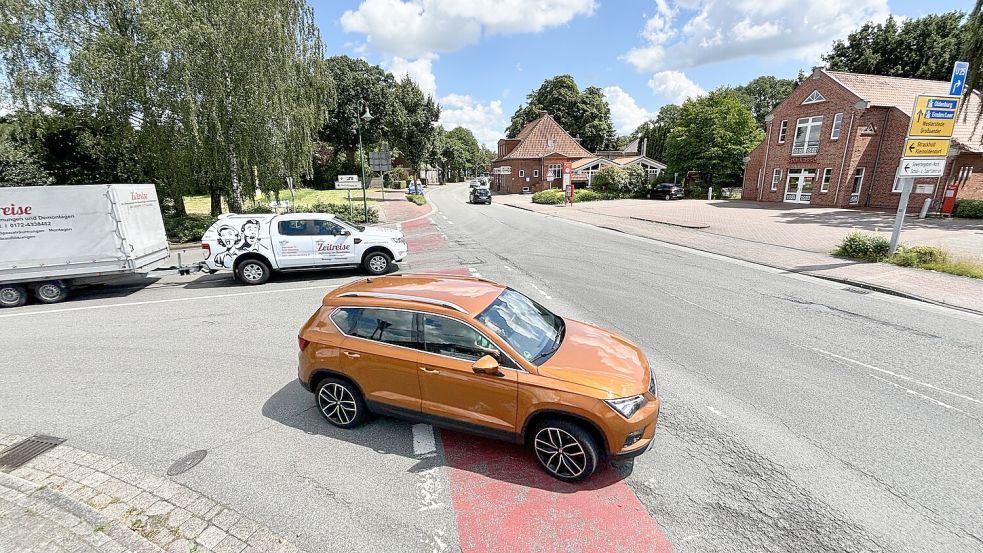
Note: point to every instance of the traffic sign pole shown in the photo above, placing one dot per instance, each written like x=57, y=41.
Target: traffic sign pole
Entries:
x=899, y=219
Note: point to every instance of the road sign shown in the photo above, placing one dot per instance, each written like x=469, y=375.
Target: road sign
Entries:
x=926, y=147
x=381, y=160
x=347, y=178
x=921, y=167
x=933, y=117
x=958, y=80
x=347, y=185
x=503, y=170
x=550, y=177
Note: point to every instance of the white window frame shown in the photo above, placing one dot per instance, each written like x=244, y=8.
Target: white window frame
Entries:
x=776, y=177
x=814, y=97
x=782, y=131
x=535, y=173
x=814, y=126
x=827, y=176
x=834, y=133
x=858, y=185
x=522, y=173
x=556, y=170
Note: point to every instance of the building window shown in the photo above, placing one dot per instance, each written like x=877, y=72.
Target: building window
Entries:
x=858, y=183
x=814, y=97
x=837, y=124
x=775, y=177
x=827, y=176
x=807, y=131
x=535, y=172
x=556, y=171
x=965, y=172
x=522, y=173
x=782, y=131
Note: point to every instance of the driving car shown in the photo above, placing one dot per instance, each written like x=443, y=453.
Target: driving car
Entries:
x=480, y=195
x=472, y=355
x=666, y=191
x=475, y=183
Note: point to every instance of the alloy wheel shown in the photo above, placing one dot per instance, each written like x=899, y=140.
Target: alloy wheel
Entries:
x=377, y=263
x=337, y=403
x=561, y=453
x=252, y=272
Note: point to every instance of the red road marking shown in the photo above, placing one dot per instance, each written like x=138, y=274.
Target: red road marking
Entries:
x=504, y=502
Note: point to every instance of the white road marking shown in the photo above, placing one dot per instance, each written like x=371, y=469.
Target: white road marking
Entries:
x=894, y=374
x=423, y=440
x=718, y=413
x=914, y=393
x=474, y=272
x=507, y=268
x=170, y=300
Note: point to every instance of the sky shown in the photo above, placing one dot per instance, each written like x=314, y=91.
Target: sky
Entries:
x=481, y=58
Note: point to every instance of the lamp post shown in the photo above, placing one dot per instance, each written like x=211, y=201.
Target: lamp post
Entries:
x=361, y=161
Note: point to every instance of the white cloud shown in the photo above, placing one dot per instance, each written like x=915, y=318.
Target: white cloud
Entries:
x=626, y=114
x=486, y=120
x=691, y=33
x=411, y=28
x=674, y=86
x=420, y=70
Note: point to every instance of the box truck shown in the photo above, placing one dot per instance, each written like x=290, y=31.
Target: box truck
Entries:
x=53, y=238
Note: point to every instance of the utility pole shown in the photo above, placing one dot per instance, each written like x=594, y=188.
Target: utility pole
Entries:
x=361, y=161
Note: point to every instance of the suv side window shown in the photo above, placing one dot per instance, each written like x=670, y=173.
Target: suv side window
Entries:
x=327, y=228
x=391, y=326
x=446, y=336
x=293, y=228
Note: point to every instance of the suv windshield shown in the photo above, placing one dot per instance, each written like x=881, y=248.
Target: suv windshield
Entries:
x=529, y=328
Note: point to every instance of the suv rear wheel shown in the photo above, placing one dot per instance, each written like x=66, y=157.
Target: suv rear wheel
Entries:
x=565, y=450
x=341, y=403
x=252, y=271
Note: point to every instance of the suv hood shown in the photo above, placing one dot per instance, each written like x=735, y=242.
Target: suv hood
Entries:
x=381, y=232
x=591, y=356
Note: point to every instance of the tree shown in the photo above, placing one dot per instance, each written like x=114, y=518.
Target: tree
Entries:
x=358, y=85
x=923, y=48
x=585, y=114
x=656, y=131
x=973, y=51
x=19, y=166
x=763, y=93
x=413, y=129
x=461, y=152
x=713, y=134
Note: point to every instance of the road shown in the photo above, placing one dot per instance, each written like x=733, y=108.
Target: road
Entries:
x=798, y=415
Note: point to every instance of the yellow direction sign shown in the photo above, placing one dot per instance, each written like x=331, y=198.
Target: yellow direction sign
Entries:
x=926, y=147
x=933, y=116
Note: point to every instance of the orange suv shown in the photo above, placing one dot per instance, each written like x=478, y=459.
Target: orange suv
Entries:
x=472, y=355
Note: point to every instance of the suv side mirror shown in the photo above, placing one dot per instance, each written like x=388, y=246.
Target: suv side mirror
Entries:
x=345, y=233
x=487, y=365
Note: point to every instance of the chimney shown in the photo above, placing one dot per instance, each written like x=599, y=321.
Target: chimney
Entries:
x=542, y=112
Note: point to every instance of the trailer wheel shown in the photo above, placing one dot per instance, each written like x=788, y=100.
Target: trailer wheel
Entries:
x=253, y=271
x=50, y=292
x=12, y=295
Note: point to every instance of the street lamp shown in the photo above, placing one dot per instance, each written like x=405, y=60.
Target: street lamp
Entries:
x=361, y=161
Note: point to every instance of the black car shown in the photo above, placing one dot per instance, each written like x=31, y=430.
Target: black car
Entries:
x=480, y=195
x=666, y=191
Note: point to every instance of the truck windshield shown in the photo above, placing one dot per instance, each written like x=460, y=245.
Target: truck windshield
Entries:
x=529, y=328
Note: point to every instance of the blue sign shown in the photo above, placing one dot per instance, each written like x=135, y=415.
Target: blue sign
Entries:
x=940, y=103
x=940, y=114
x=958, y=80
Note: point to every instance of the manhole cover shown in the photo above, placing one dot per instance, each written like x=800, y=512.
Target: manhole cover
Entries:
x=20, y=453
x=187, y=462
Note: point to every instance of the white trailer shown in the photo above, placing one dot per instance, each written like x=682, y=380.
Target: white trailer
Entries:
x=56, y=237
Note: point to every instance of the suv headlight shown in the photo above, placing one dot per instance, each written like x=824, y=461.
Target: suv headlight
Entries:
x=627, y=406
x=399, y=239
x=653, y=384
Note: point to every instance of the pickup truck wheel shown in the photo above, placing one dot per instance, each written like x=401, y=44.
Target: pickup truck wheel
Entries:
x=377, y=263
x=50, y=292
x=253, y=271
x=12, y=295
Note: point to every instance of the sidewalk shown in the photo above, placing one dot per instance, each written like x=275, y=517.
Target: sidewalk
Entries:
x=396, y=208
x=768, y=246
x=70, y=500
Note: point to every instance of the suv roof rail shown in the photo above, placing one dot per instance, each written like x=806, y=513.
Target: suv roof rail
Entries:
x=446, y=275
x=403, y=297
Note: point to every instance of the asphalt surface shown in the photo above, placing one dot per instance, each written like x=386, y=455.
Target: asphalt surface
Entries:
x=797, y=415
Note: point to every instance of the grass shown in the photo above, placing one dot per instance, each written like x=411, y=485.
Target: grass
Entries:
x=874, y=247
x=201, y=205
x=960, y=267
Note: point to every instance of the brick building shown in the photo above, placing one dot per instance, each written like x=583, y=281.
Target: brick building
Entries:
x=838, y=138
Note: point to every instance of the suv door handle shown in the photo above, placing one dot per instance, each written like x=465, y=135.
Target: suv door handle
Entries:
x=352, y=355
x=429, y=370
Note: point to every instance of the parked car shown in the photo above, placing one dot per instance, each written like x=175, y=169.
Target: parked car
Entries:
x=253, y=246
x=469, y=354
x=666, y=191
x=480, y=195
x=56, y=238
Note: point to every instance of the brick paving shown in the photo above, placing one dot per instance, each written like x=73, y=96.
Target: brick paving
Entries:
x=396, y=208
x=71, y=500
x=741, y=230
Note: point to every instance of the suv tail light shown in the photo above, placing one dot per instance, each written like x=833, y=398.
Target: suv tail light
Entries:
x=302, y=343
x=207, y=249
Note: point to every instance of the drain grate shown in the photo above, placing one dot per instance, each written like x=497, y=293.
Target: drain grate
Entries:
x=20, y=453
x=856, y=290
x=187, y=462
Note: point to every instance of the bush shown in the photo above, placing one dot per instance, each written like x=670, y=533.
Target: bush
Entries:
x=918, y=256
x=418, y=199
x=638, y=181
x=548, y=197
x=582, y=195
x=259, y=208
x=866, y=246
x=189, y=228
x=341, y=211
x=970, y=209
x=395, y=178
x=610, y=179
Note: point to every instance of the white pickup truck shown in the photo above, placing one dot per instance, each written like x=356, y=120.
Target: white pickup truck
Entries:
x=253, y=246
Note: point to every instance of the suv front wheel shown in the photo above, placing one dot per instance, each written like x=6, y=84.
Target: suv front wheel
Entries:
x=377, y=263
x=565, y=450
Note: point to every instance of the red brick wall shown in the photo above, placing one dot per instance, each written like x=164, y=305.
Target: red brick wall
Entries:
x=534, y=174
x=971, y=187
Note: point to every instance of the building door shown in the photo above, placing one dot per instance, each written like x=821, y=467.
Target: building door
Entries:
x=798, y=187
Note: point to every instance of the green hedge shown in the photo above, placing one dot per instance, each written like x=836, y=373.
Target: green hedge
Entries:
x=341, y=211
x=185, y=229
x=918, y=256
x=418, y=199
x=548, y=197
x=584, y=195
x=863, y=245
x=970, y=209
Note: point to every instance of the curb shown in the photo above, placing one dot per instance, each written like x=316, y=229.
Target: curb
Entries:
x=682, y=225
x=433, y=209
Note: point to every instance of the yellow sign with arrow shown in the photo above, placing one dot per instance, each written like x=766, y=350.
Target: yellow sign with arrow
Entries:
x=926, y=147
x=933, y=116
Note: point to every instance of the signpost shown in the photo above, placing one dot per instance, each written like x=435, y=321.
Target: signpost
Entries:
x=349, y=183
x=933, y=119
x=567, y=183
